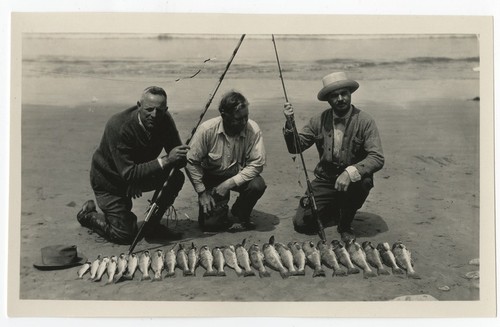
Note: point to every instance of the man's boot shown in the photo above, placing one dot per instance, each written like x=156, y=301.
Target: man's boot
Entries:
x=88, y=217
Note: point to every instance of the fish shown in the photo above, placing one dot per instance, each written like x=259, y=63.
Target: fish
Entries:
x=373, y=257
x=388, y=258
x=403, y=259
x=132, y=264
x=144, y=265
x=286, y=257
x=94, y=267
x=231, y=260
x=257, y=260
x=219, y=261
x=313, y=258
x=329, y=259
x=244, y=259
x=343, y=257
x=182, y=261
x=157, y=264
x=358, y=256
x=193, y=259
x=170, y=261
x=102, y=269
x=207, y=261
x=111, y=269
x=299, y=257
x=121, y=267
x=85, y=268
x=272, y=258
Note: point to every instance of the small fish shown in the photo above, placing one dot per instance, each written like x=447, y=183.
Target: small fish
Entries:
x=84, y=269
x=244, y=259
x=272, y=258
x=358, y=256
x=207, y=261
x=170, y=261
x=257, y=260
x=373, y=257
x=111, y=269
x=102, y=269
x=329, y=259
x=388, y=258
x=144, y=265
x=182, y=261
x=286, y=257
x=219, y=261
x=132, y=264
x=121, y=267
x=231, y=260
x=299, y=258
x=403, y=259
x=157, y=264
x=313, y=258
x=94, y=267
x=343, y=257
x=193, y=259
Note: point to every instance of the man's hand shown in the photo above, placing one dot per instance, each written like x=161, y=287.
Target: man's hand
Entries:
x=176, y=155
x=342, y=182
x=288, y=111
x=224, y=187
x=206, y=201
x=134, y=192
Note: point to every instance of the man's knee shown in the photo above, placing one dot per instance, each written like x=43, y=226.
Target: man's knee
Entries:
x=122, y=228
x=257, y=185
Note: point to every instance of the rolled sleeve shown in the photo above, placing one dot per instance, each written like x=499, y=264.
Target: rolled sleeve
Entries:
x=353, y=174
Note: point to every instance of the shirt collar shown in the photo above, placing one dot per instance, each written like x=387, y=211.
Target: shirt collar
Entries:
x=346, y=116
x=220, y=130
x=140, y=123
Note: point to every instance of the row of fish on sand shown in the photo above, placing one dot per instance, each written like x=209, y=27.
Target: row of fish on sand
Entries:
x=288, y=260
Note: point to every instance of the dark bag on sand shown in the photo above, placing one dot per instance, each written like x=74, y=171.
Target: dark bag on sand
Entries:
x=217, y=219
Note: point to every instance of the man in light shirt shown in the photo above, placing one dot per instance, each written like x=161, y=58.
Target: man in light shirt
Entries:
x=227, y=154
x=350, y=153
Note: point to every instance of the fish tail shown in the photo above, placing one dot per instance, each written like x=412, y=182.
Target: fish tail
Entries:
x=221, y=273
x=319, y=273
x=145, y=277
x=170, y=274
x=284, y=274
x=340, y=272
x=292, y=272
x=300, y=272
x=97, y=279
x=156, y=278
x=210, y=273
x=398, y=271
x=369, y=274
x=352, y=271
x=248, y=273
x=383, y=271
x=187, y=273
x=118, y=277
x=264, y=273
x=414, y=275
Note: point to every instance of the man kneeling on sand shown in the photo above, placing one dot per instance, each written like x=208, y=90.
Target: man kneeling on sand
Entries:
x=350, y=153
x=227, y=154
x=127, y=163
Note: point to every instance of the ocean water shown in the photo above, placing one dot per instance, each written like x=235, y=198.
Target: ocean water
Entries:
x=140, y=57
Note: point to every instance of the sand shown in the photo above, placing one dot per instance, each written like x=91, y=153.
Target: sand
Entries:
x=427, y=194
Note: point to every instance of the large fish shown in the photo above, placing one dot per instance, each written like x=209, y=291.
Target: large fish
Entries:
x=272, y=258
x=85, y=268
x=132, y=264
x=313, y=258
x=94, y=267
x=403, y=259
x=286, y=257
x=388, y=258
x=145, y=264
x=257, y=260
x=329, y=259
x=358, y=256
x=171, y=261
x=244, y=259
x=231, y=260
x=299, y=258
x=111, y=269
x=157, y=264
x=182, y=261
x=193, y=259
x=373, y=257
x=207, y=261
x=343, y=257
x=219, y=261
x=121, y=267
x=102, y=269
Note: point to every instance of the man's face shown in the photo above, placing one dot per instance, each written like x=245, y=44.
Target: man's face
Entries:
x=151, y=107
x=235, y=123
x=340, y=100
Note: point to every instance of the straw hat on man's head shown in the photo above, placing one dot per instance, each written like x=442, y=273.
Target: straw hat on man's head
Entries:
x=336, y=81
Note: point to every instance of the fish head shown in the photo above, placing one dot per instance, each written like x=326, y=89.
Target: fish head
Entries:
x=254, y=248
x=122, y=256
x=367, y=245
x=398, y=244
x=159, y=253
x=321, y=244
x=337, y=244
x=265, y=246
x=145, y=253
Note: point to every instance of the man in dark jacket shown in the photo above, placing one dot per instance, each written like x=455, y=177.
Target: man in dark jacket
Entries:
x=350, y=152
x=127, y=163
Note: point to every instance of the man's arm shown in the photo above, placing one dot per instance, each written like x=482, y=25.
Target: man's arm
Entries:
x=306, y=136
x=374, y=160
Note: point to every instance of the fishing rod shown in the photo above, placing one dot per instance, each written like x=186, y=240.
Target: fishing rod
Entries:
x=154, y=206
x=291, y=119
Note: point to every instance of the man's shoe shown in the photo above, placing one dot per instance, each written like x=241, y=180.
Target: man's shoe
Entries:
x=158, y=231
x=347, y=235
x=87, y=208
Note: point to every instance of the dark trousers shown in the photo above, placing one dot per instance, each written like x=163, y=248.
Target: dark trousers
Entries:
x=118, y=223
x=333, y=205
x=249, y=193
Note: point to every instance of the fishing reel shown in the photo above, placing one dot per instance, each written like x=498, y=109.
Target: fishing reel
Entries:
x=305, y=202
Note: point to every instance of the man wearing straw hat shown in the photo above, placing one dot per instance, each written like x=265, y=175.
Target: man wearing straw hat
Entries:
x=350, y=153
x=127, y=162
